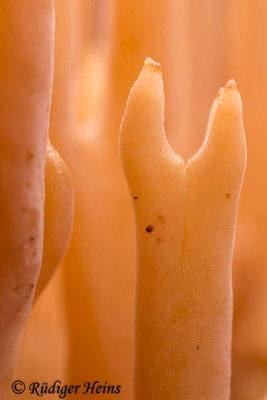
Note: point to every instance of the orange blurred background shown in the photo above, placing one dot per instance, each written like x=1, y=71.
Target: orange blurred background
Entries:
x=81, y=329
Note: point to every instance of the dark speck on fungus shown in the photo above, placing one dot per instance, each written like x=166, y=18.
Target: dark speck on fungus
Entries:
x=197, y=347
x=135, y=197
x=29, y=156
x=150, y=228
x=32, y=238
x=228, y=195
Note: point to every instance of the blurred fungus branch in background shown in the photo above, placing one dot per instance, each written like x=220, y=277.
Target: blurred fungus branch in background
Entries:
x=31, y=191
x=26, y=69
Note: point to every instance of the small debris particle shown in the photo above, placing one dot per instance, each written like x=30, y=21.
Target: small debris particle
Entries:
x=29, y=156
x=197, y=347
x=228, y=195
x=135, y=197
x=150, y=228
x=158, y=239
x=32, y=238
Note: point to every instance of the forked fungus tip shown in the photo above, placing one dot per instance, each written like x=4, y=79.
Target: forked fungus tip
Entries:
x=152, y=64
x=231, y=84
